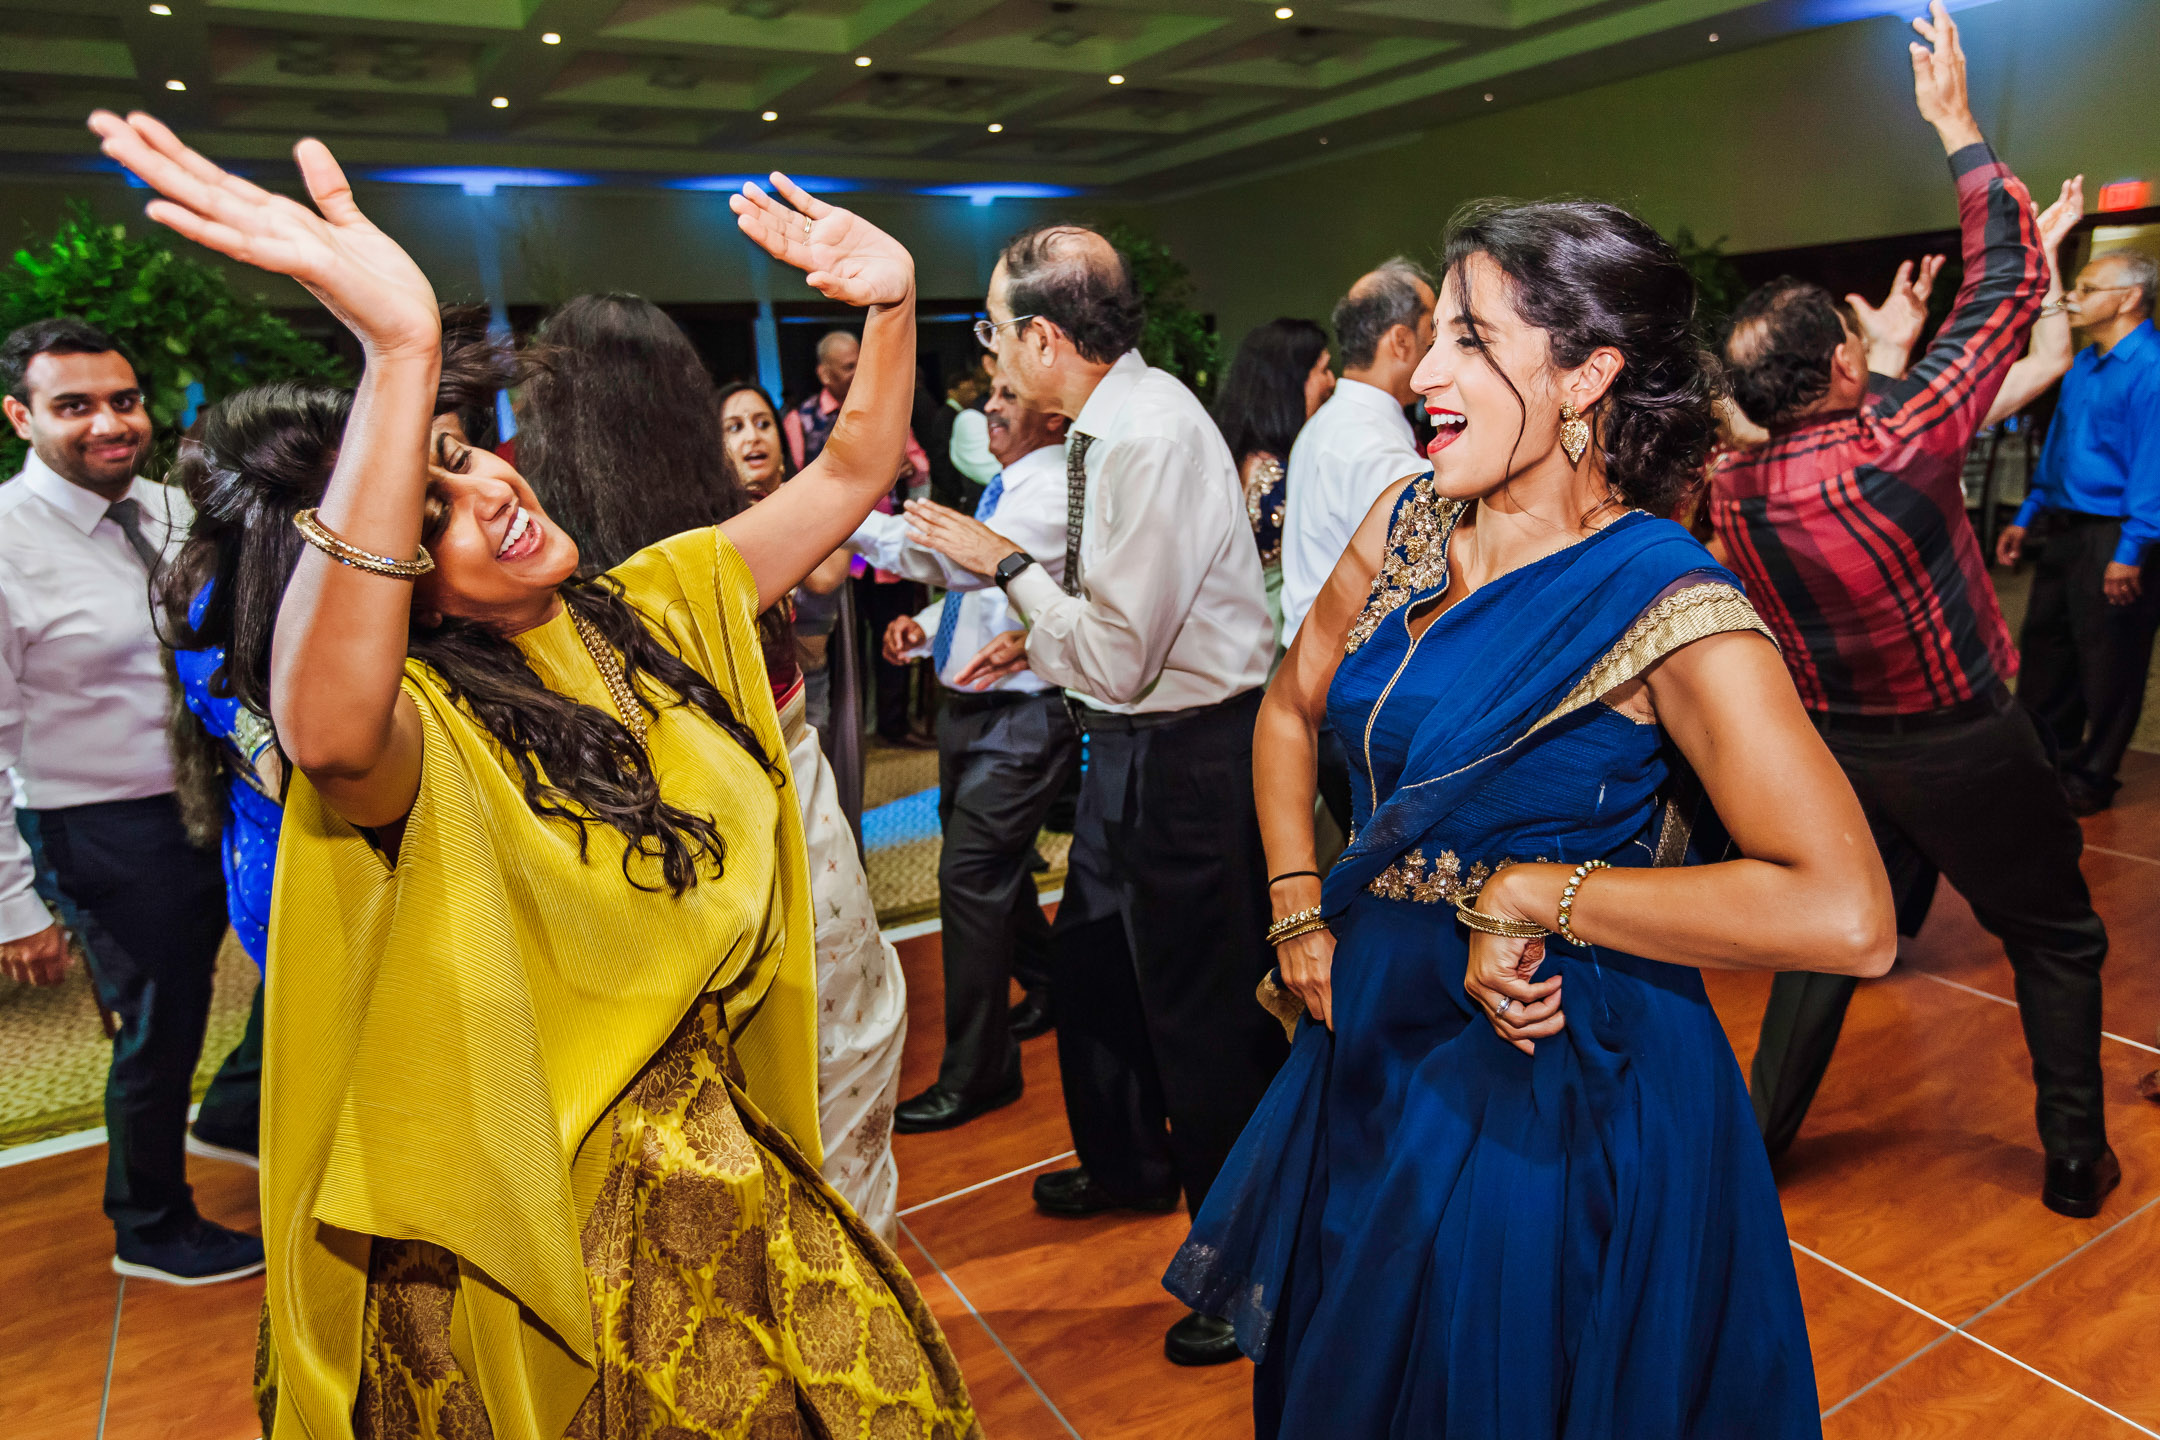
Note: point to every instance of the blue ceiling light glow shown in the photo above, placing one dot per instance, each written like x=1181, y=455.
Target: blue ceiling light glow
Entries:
x=983, y=194
x=815, y=184
x=1837, y=12
x=477, y=179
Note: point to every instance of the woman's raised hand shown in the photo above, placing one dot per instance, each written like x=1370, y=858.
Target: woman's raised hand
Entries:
x=361, y=274
x=844, y=255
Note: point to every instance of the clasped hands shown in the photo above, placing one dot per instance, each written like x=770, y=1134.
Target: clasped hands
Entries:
x=977, y=549
x=1003, y=656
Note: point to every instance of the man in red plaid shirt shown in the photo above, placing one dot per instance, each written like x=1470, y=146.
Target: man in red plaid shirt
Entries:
x=1849, y=530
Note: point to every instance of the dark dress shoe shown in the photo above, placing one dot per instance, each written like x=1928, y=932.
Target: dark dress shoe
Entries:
x=199, y=1252
x=1030, y=1018
x=1072, y=1194
x=2076, y=1187
x=939, y=1109
x=1200, y=1340
x=2084, y=796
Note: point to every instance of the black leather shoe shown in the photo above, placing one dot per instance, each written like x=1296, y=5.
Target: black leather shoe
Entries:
x=1030, y=1018
x=2084, y=796
x=1200, y=1340
x=2076, y=1187
x=939, y=1109
x=1072, y=1194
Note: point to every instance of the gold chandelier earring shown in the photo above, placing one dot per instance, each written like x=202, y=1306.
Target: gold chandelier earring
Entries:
x=1574, y=433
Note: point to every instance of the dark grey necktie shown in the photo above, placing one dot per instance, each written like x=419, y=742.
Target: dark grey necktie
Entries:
x=1075, y=505
x=127, y=514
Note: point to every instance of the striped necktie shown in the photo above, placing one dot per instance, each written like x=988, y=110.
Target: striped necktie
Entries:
x=949, y=616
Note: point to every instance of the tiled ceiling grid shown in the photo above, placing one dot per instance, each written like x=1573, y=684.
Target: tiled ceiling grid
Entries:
x=1078, y=92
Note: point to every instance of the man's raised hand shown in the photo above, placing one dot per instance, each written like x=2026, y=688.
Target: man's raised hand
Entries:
x=843, y=255
x=1938, y=69
x=361, y=274
x=1891, y=328
x=2059, y=219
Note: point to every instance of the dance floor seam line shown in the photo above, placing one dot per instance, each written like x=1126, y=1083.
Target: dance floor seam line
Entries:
x=112, y=1354
x=984, y=1184
x=1962, y=1330
x=2004, y=1000
x=2120, y=854
x=995, y=1338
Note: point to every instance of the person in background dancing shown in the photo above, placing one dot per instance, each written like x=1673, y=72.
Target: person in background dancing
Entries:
x=1848, y=527
x=542, y=1038
x=1279, y=377
x=624, y=443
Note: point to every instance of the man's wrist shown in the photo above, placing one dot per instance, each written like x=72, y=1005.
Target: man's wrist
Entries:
x=1009, y=569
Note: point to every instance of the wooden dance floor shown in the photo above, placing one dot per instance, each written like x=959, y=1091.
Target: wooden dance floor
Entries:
x=1943, y=1300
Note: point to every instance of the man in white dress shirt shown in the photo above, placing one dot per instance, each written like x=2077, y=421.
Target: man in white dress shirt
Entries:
x=1355, y=446
x=83, y=704
x=1006, y=750
x=1159, y=631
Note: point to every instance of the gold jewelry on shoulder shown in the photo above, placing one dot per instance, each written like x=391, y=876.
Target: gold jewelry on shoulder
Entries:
x=344, y=552
x=1574, y=433
x=1567, y=898
x=1477, y=919
x=633, y=715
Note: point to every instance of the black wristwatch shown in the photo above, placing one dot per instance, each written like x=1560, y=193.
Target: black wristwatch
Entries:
x=1010, y=566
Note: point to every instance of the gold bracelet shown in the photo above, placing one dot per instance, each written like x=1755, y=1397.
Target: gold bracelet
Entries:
x=1567, y=898
x=1282, y=929
x=1477, y=919
x=322, y=538
x=1288, y=935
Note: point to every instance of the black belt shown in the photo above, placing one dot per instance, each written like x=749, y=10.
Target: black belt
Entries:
x=2078, y=519
x=975, y=702
x=1994, y=702
x=1092, y=721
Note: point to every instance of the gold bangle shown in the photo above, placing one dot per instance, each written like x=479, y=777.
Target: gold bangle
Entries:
x=1477, y=919
x=1288, y=935
x=1282, y=929
x=344, y=552
x=1567, y=898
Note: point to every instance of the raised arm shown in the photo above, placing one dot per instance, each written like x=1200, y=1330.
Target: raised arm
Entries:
x=1286, y=752
x=785, y=536
x=339, y=651
x=2047, y=358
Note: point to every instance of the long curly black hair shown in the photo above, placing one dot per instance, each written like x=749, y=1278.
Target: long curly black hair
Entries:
x=1593, y=275
x=265, y=454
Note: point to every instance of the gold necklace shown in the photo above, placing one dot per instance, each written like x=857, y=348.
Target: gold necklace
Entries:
x=633, y=715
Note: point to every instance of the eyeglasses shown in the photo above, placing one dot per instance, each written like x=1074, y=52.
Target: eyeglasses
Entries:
x=2074, y=290
x=986, y=330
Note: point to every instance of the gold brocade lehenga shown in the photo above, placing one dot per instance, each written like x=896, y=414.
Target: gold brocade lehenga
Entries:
x=540, y=1152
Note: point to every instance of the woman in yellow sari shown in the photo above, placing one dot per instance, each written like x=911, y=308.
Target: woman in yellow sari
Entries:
x=540, y=1150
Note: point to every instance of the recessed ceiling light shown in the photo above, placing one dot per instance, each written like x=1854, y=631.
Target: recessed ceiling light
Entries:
x=500, y=102
x=1117, y=79
x=551, y=38
x=1284, y=12
x=862, y=61
x=1488, y=95
x=996, y=129
x=176, y=84
x=1323, y=139
x=1713, y=37
x=161, y=9
x=770, y=115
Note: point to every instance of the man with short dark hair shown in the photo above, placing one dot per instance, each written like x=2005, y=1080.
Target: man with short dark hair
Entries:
x=1159, y=630
x=2095, y=606
x=83, y=705
x=1848, y=526
x=1357, y=445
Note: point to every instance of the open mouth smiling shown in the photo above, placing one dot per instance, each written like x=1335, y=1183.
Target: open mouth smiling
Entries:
x=1449, y=423
x=522, y=538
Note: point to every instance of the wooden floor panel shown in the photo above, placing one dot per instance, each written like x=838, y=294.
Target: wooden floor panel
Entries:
x=1856, y=1334
x=2132, y=823
x=1960, y=1391
x=57, y=1297
x=1005, y=1402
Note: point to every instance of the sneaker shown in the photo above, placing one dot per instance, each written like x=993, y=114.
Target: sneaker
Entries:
x=202, y=1253
x=232, y=1154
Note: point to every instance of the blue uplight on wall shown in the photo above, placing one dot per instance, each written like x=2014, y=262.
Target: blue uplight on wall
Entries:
x=815, y=184
x=984, y=194
x=478, y=179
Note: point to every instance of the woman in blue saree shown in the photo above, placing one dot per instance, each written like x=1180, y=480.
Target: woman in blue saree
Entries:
x=1508, y=1186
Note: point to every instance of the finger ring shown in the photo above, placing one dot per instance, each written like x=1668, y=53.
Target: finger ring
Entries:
x=1502, y=1008
x=806, y=227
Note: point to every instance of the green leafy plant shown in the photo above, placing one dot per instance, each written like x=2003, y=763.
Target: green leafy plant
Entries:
x=1178, y=338
x=178, y=318
x=1718, y=282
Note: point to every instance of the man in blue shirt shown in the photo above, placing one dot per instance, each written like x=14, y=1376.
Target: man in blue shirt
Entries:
x=2095, y=506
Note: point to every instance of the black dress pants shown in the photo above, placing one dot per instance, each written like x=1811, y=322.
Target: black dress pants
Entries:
x=1003, y=760
x=2085, y=660
x=879, y=605
x=153, y=910
x=1160, y=942
x=1978, y=803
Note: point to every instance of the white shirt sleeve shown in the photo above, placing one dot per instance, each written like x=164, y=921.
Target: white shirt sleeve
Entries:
x=1145, y=566
x=970, y=447
x=22, y=913
x=887, y=543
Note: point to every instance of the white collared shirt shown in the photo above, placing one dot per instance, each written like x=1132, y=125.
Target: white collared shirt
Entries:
x=1354, y=447
x=1030, y=513
x=83, y=694
x=1172, y=613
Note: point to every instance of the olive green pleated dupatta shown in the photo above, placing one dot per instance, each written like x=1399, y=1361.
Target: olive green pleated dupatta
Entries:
x=443, y=1036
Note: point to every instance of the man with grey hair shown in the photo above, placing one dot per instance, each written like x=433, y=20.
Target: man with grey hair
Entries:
x=2095, y=505
x=1355, y=446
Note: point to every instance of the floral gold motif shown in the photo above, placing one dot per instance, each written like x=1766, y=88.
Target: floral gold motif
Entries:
x=1416, y=558
x=1439, y=881
x=1266, y=480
